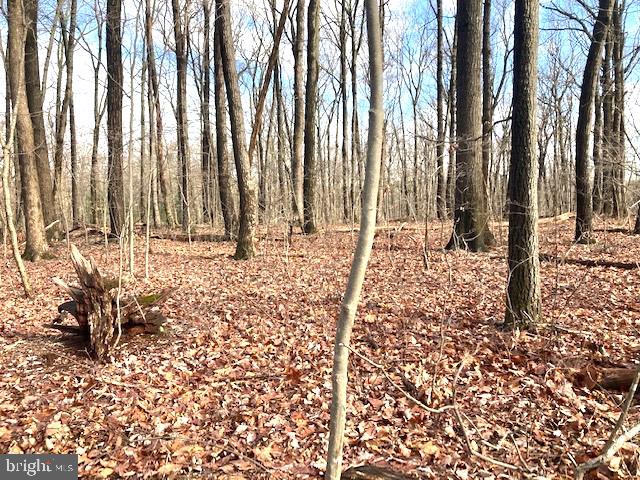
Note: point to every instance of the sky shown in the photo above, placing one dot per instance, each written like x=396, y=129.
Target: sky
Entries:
x=405, y=22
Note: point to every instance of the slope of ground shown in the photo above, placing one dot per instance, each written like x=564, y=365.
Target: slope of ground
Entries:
x=240, y=387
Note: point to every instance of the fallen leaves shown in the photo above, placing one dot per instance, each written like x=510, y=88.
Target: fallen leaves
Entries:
x=241, y=387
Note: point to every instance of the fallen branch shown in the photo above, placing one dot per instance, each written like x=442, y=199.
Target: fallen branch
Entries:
x=372, y=472
x=396, y=386
x=615, y=441
x=447, y=408
x=545, y=257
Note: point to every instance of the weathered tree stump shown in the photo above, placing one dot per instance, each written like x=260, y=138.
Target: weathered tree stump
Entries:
x=101, y=314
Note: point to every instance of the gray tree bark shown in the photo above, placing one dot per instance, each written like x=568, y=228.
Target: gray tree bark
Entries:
x=487, y=96
x=345, y=113
x=205, y=137
x=224, y=177
x=297, y=159
x=159, y=128
x=584, y=207
x=620, y=205
x=470, y=216
x=245, y=248
x=523, y=286
x=36, y=242
x=363, y=248
x=451, y=107
x=115, y=181
x=34, y=98
x=311, y=101
x=441, y=193
x=179, y=32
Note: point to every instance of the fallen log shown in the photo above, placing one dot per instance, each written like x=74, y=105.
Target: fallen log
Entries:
x=102, y=314
x=611, y=379
x=618, y=379
x=370, y=472
x=545, y=257
x=184, y=237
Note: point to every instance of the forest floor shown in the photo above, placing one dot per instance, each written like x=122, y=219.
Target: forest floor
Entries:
x=240, y=385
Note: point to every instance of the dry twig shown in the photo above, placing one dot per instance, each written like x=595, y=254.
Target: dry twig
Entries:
x=447, y=408
x=615, y=441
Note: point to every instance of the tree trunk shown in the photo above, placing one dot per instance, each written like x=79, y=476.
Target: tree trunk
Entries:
x=35, y=100
x=182, y=126
x=153, y=140
x=451, y=173
x=584, y=208
x=619, y=196
x=608, y=136
x=470, y=216
x=297, y=158
x=281, y=140
x=69, y=53
x=154, y=88
x=523, y=290
x=310, y=173
x=36, y=244
x=68, y=40
x=356, y=149
x=8, y=211
x=115, y=182
x=205, y=142
x=224, y=178
x=487, y=97
x=345, y=114
x=597, y=154
x=440, y=191
x=245, y=248
x=363, y=248
x=144, y=176
x=98, y=113
x=75, y=171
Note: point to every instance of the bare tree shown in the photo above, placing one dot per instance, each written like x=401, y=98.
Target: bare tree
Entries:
x=597, y=153
x=224, y=178
x=310, y=137
x=35, y=100
x=205, y=137
x=470, y=217
x=345, y=111
x=99, y=106
x=246, y=185
x=356, y=148
x=441, y=194
x=68, y=43
x=617, y=30
x=523, y=289
x=487, y=95
x=36, y=244
x=297, y=159
x=115, y=181
x=363, y=248
x=584, y=207
x=154, y=90
x=451, y=108
x=6, y=147
x=180, y=35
